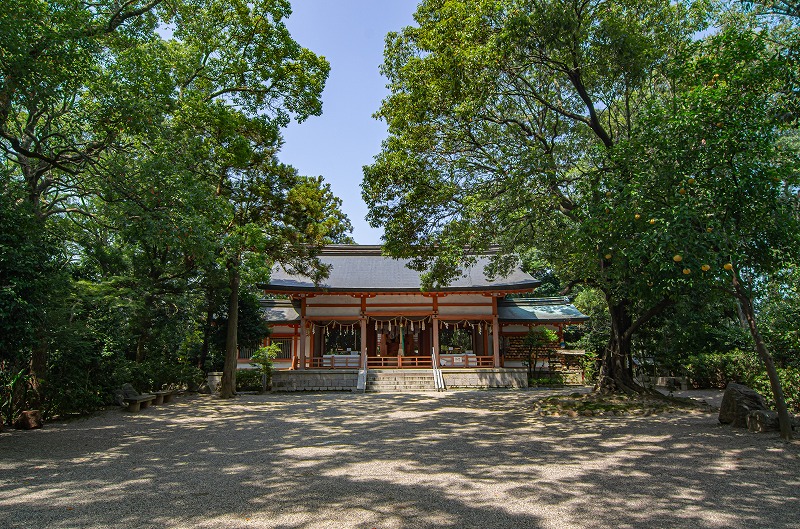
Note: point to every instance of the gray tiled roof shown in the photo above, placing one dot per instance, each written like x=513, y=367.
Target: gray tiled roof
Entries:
x=525, y=310
x=279, y=311
x=363, y=268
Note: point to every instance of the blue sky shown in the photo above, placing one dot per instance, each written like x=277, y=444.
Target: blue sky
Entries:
x=350, y=34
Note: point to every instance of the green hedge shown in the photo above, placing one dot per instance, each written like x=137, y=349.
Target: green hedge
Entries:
x=715, y=370
x=248, y=380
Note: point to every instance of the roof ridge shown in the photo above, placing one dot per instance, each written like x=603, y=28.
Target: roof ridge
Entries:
x=549, y=300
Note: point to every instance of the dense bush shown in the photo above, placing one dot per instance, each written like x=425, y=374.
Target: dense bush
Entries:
x=248, y=380
x=152, y=375
x=715, y=370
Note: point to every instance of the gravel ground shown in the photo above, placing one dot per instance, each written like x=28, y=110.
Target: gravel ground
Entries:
x=457, y=459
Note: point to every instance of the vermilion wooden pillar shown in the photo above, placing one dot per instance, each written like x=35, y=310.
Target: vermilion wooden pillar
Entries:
x=495, y=333
x=364, y=341
x=303, y=330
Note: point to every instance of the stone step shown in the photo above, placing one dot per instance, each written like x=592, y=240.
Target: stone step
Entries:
x=410, y=379
x=400, y=388
x=404, y=390
x=399, y=383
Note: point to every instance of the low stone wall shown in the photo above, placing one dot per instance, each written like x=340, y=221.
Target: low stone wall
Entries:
x=315, y=380
x=485, y=378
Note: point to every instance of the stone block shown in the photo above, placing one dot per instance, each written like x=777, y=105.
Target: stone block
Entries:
x=29, y=420
x=763, y=421
x=737, y=403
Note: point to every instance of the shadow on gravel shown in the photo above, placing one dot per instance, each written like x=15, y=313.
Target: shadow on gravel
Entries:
x=461, y=459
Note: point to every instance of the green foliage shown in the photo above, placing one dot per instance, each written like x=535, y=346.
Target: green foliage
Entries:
x=595, y=336
x=715, y=370
x=13, y=389
x=139, y=170
x=744, y=367
x=262, y=359
x=635, y=147
x=29, y=272
x=556, y=379
x=589, y=365
x=249, y=380
x=252, y=328
x=541, y=337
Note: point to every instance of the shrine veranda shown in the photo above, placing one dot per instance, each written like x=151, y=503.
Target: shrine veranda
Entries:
x=371, y=314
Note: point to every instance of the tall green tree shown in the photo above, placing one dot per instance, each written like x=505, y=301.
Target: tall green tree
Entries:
x=504, y=118
x=276, y=217
x=715, y=173
x=136, y=129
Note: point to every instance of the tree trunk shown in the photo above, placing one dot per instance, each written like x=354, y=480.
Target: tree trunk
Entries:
x=761, y=348
x=38, y=371
x=228, y=384
x=616, y=371
x=201, y=360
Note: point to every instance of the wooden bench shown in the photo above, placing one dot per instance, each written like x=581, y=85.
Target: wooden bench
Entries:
x=135, y=403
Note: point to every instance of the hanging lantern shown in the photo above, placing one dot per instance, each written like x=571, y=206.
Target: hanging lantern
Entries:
x=423, y=325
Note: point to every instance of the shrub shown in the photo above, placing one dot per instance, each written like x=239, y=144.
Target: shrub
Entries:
x=553, y=380
x=248, y=380
x=589, y=366
x=715, y=370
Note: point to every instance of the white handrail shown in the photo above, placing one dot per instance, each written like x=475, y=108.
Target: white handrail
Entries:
x=361, y=384
x=438, y=379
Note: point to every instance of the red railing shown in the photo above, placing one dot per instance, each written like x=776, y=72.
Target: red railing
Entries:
x=466, y=361
x=395, y=362
x=334, y=362
x=399, y=362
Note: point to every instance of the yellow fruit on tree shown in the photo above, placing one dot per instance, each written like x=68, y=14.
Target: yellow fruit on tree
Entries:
x=677, y=258
x=652, y=221
x=682, y=191
x=637, y=216
x=608, y=256
x=728, y=266
x=691, y=181
x=709, y=230
x=705, y=268
x=687, y=271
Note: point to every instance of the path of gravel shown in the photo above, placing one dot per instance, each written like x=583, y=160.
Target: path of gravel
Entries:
x=459, y=459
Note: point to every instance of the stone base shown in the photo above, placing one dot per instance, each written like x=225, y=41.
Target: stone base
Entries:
x=507, y=377
x=315, y=380
x=347, y=379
